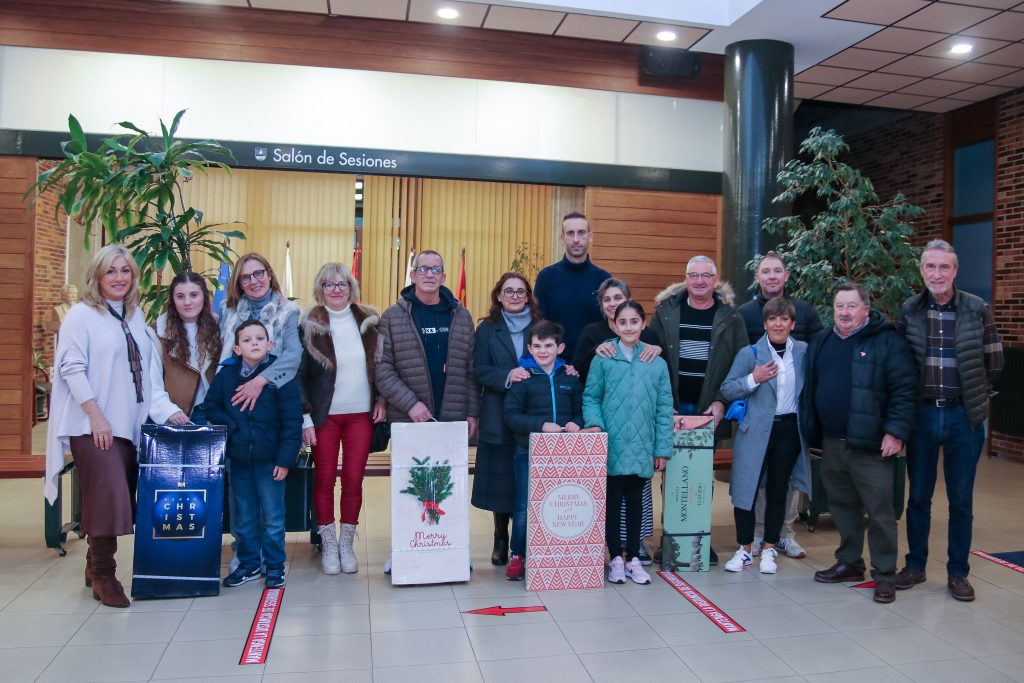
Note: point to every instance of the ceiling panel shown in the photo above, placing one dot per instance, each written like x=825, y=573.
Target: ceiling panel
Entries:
x=946, y=18
x=1005, y=26
x=915, y=65
x=981, y=46
x=975, y=72
x=372, y=9
x=313, y=6
x=226, y=3
x=941, y=106
x=857, y=58
x=504, y=18
x=900, y=40
x=882, y=81
x=900, y=100
x=646, y=34
x=935, y=87
x=876, y=11
x=1014, y=80
x=994, y=4
x=850, y=95
x=470, y=13
x=828, y=75
x=1011, y=55
x=807, y=91
x=596, y=28
x=981, y=92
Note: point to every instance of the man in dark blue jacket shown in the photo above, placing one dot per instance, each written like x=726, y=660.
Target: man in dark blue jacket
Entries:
x=263, y=443
x=567, y=291
x=859, y=404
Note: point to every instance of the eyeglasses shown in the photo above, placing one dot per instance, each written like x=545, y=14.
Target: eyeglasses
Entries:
x=423, y=270
x=700, y=276
x=514, y=293
x=254, y=275
x=336, y=286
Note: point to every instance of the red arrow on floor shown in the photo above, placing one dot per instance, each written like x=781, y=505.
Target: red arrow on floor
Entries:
x=866, y=584
x=499, y=611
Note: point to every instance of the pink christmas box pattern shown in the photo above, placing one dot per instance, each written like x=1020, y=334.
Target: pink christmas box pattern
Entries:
x=565, y=517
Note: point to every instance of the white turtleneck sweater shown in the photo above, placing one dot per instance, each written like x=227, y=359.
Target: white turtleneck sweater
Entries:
x=351, y=386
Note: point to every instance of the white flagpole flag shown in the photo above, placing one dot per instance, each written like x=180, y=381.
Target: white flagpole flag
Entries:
x=408, y=268
x=288, y=270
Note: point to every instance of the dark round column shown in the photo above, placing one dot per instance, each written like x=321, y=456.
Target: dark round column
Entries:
x=758, y=135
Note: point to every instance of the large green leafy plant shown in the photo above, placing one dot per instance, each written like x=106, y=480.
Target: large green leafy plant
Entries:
x=853, y=237
x=131, y=188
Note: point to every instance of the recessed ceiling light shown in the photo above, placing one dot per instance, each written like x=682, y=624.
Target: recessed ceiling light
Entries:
x=448, y=13
x=666, y=36
x=961, y=48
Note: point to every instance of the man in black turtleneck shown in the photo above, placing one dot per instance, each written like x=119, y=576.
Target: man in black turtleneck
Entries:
x=567, y=291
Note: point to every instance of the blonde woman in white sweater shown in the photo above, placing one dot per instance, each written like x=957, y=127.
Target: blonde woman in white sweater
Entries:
x=107, y=380
x=339, y=340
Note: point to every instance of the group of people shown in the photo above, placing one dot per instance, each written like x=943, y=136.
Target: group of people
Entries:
x=574, y=353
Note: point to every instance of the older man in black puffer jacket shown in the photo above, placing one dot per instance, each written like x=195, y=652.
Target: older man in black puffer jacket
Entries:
x=859, y=405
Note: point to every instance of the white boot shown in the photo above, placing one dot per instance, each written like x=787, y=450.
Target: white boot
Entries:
x=329, y=542
x=349, y=564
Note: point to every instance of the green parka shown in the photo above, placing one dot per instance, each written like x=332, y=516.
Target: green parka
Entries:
x=632, y=402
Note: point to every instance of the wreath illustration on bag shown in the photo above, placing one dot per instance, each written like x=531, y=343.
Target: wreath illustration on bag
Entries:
x=431, y=484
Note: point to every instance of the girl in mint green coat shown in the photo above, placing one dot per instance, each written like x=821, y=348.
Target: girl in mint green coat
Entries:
x=632, y=402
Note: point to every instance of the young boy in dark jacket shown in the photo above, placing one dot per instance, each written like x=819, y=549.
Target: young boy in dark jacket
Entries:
x=548, y=401
x=263, y=443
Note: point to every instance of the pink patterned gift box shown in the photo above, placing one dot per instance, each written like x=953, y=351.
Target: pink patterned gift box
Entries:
x=565, y=518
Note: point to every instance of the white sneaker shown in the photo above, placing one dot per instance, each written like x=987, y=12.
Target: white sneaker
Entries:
x=329, y=562
x=617, y=570
x=740, y=561
x=768, y=565
x=755, y=547
x=635, y=570
x=791, y=548
x=347, y=556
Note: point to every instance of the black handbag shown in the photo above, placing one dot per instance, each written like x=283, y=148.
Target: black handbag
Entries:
x=381, y=437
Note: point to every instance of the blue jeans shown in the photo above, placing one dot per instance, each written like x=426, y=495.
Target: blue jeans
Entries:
x=259, y=515
x=521, y=463
x=961, y=443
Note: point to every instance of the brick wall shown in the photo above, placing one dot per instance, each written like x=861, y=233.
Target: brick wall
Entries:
x=1008, y=297
x=50, y=253
x=906, y=157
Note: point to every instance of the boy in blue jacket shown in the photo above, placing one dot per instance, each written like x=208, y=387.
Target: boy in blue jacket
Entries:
x=548, y=401
x=263, y=444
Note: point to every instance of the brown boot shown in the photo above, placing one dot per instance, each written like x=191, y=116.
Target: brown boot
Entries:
x=105, y=586
x=88, y=563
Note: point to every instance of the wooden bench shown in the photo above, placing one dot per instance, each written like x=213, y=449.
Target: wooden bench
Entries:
x=379, y=464
x=22, y=466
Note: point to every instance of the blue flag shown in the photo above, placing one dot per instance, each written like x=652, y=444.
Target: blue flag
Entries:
x=222, y=287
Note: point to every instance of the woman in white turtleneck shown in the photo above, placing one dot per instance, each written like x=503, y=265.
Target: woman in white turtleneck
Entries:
x=339, y=340
x=191, y=342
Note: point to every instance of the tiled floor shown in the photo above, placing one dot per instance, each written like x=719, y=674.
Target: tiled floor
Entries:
x=359, y=628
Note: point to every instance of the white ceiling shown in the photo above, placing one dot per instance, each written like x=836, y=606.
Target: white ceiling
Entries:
x=889, y=53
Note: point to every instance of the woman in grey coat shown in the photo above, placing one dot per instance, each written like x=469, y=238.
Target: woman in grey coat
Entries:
x=768, y=446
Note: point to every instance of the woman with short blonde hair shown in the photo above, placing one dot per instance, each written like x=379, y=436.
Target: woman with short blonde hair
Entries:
x=336, y=378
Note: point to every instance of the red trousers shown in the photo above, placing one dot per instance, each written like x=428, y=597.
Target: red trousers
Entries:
x=352, y=432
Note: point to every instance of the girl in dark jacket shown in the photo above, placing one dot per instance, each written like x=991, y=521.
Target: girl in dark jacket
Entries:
x=500, y=342
x=339, y=340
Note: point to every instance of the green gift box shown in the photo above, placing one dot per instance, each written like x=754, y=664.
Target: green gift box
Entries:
x=686, y=542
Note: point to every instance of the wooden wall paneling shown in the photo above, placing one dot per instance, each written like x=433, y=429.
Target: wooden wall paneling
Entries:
x=646, y=238
x=195, y=31
x=17, y=392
